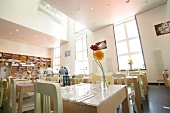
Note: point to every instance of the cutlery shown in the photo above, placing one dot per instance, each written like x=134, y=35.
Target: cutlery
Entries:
x=85, y=98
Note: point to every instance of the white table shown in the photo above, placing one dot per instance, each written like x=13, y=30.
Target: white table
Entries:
x=95, y=101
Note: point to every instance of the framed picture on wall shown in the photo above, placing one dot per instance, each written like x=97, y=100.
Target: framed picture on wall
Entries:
x=102, y=44
x=162, y=28
x=67, y=53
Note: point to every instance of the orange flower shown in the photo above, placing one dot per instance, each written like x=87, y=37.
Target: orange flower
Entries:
x=99, y=55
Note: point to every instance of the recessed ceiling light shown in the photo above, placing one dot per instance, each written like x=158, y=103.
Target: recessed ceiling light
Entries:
x=91, y=8
x=10, y=33
x=137, y=11
x=17, y=30
x=78, y=9
x=127, y=1
x=108, y=4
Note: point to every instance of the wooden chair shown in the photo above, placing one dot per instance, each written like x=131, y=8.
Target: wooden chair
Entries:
x=47, y=90
x=121, y=80
x=140, y=83
x=95, y=79
x=166, y=76
x=7, y=97
x=1, y=91
x=110, y=79
x=92, y=75
x=28, y=103
x=55, y=78
x=78, y=79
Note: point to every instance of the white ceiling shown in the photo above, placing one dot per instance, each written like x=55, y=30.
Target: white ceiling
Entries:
x=8, y=31
x=94, y=14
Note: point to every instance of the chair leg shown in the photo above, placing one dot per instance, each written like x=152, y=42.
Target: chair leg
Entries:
x=143, y=95
x=134, y=104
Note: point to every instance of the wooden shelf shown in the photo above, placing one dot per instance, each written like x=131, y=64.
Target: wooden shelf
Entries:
x=19, y=62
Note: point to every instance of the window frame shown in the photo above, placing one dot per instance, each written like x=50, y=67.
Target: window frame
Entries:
x=81, y=38
x=57, y=57
x=128, y=45
x=83, y=60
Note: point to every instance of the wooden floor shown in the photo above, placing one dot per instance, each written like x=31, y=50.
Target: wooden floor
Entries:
x=157, y=101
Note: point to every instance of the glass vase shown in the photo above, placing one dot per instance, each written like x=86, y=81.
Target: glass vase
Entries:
x=104, y=83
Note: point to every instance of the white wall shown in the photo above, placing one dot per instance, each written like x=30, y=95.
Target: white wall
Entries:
x=69, y=62
x=92, y=37
x=101, y=35
x=23, y=49
x=25, y=13
x=150, y=41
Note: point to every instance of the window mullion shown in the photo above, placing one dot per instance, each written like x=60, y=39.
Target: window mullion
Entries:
x=128, y=45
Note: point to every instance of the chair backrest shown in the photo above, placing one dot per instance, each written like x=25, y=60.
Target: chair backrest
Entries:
x=47, y=90
x=78, y=78
x=109, y=73
x=110, y=79
x=92, y=75
x=55, y=78
x=66, y=80
x=95, y=79
x=13, y=93
x=134, y=73
x=7, y=97
x=120, y=78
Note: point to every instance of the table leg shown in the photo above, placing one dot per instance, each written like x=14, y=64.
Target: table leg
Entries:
x=20, y=100
x=144, y=84
x=125, y=104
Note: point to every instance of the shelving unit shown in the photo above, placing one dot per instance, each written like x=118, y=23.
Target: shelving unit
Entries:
x=23, y=63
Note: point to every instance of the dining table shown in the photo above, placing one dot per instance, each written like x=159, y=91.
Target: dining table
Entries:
x=130, y=79
x=89, y=98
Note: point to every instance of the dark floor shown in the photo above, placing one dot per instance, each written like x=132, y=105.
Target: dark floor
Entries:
x=157, y=101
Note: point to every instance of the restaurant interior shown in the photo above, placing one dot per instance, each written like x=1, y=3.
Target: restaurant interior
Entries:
x=88, y=56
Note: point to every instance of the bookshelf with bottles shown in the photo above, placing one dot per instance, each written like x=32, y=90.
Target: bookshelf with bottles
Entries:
x=23, y=63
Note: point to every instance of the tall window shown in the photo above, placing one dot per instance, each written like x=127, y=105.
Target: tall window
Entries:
x=78, y=27
x=81, y=66
x=128, y=45
x=56, y=59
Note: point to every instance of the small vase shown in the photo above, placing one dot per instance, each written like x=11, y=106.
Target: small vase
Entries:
x=130, y=65
x=104, y=83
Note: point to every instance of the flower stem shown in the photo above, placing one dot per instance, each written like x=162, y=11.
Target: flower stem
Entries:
x=101, y=67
